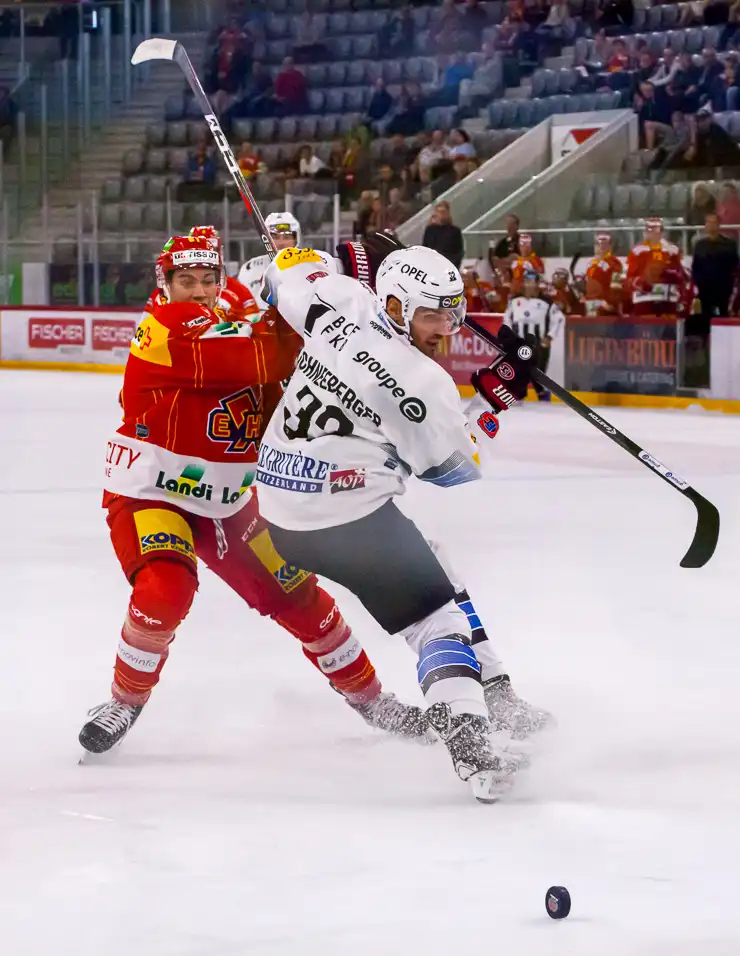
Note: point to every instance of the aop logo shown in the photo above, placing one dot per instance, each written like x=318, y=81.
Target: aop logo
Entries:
x=411, y=408
x=238, y=421
x=505, y=371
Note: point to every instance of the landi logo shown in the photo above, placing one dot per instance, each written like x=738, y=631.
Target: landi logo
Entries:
x=109, y=334
x=55, y=333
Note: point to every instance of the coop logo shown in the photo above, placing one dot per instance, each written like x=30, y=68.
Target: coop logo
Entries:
x=238, y=421
x=55, y=333
x=349, y=480
x=411, y=408
x=109, y=334
x=291, y=471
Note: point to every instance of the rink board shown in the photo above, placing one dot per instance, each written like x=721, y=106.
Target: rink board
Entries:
x=97, y=340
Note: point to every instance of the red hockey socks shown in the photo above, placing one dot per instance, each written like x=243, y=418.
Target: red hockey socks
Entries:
x=331, y=647
x=162, y=594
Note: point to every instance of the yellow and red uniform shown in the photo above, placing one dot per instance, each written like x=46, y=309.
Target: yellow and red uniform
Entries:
x=525, y=262
x=603, y=288
x=235, y=301
x=656, y=280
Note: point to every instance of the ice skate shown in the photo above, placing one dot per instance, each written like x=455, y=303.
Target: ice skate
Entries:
x=509, y=713
x=489, y=771
x=386, y=712
x=109, y=723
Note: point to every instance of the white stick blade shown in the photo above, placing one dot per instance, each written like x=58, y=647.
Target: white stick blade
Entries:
x=157, y=48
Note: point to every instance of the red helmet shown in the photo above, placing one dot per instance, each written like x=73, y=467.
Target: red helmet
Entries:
x=207, y=232
x=187, y=252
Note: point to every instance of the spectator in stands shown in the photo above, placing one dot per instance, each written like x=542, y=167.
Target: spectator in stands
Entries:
x=728, y=209
x=311, y=166
x=444, y=236
x=409, y=116
x=444, y=30
x=336, y=158
x=396, y=36
x=249, y=161
x=645, y=68
x=711, y=68
x=683, y=88
x=363, y=212
x=376, y=219
x=527, y=46
x=460, y=145
x=380, y=108
x=397, y=211
x=601, y=52
x=398, y=154
x=507, y=249
x=355, y=171
x=434, y=153
x=650, y=114
x=386, y=180
x=487, y=81
x=473, y=22
x=692, y=13
x=307, y=36
x=256, y=98
x=200, y=175
x=731, y=22
x=229, y=65
x=666, y=71
x=616, y=15
x=458, y=69
x=702, y=204
x=723, y=89
x=677, y=136
x=290, y=89
x=710, y=146
x=8, y=118
x=558, y=26
x=620, y=60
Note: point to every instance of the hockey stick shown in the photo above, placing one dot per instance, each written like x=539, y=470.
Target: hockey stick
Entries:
x=707, y=525
x=160, y=49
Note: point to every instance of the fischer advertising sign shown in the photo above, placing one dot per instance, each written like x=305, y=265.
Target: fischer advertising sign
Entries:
x=623, y=357
x=66, y=336
x=565, y=139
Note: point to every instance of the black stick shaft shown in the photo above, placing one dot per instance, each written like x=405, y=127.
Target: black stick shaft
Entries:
x=707, y=529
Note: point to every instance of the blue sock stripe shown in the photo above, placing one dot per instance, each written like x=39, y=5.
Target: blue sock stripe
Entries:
x=443, y=653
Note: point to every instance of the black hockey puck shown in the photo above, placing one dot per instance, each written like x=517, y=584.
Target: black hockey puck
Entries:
x=557, y=902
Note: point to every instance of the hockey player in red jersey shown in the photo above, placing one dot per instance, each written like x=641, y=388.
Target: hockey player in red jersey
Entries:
x=657, y=283
x=177, y=490
x=235, y=300
x=604, y=279
x=526, y=261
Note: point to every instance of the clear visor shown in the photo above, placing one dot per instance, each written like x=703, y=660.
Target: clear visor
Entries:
x=439, y=321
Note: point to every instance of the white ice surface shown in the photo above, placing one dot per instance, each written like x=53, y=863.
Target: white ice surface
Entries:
x=251, y=812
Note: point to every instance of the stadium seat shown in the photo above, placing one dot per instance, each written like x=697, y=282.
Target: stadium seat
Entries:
x=308, y=127
x=133, y=162
x=734, y=128
x=678, y=199
x=392, y=71
x=155, y=217
x=316, y=100
x=327, y=128
x=132, y=216
x=567, y=80
x=156, y=134
x=197, y=131
x=621, y=200
x=355, y=99
x=342, y=47
x=335, y=100
x=526, y=113
x=358, y=72
x=134, y=189
x=316, y=74
x=112, y=190
x=287, y=129
x=601, y=206
x=539, y=83
x=156, y=188
x=156, y=160
x=363, y=46
x=264, y=130
x=677, y=40
x=640, y=200
x=694, y=40
x=174, y=108
x=177, y=160
x=496, y=114
x=336, y=74
x=338, y=23
x=177, y=134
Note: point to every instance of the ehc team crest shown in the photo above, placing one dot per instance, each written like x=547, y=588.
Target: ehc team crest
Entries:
x=238, y=421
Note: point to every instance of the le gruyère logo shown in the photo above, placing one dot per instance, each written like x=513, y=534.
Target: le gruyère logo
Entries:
x=238, y=421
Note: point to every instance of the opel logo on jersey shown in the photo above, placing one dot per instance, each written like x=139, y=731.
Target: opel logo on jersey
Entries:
x=524, y=353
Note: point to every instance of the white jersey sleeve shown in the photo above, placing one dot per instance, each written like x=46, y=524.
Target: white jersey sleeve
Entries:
x=288, y=282
x=364, y=410
x=557, y=321
x=251, y=275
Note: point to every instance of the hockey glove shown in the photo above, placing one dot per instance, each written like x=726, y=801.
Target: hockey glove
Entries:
x=504, y=382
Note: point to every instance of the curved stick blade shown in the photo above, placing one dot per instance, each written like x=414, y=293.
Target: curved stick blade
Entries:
x=706, y=534
x=156, y=48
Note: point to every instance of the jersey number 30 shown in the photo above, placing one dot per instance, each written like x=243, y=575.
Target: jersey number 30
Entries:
x=314, y=419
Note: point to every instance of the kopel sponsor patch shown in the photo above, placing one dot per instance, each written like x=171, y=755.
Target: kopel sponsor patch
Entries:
x=349, y=479
x=662, y=470
x=412, y=408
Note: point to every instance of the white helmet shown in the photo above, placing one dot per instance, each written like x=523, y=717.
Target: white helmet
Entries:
x=421, y=278
x=280, y=223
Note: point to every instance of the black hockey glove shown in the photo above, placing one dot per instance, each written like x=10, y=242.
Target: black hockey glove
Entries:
x=362, y=259
x=504, y=382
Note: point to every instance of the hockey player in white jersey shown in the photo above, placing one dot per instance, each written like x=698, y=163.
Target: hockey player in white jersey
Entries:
x=366, y=408
x=286, y=233
x=533, y=314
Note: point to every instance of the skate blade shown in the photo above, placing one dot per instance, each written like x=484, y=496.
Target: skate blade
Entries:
x=489, y=786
